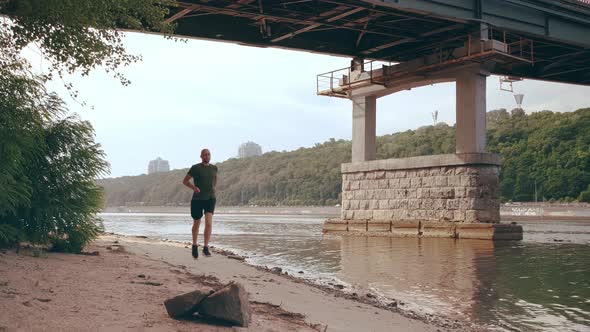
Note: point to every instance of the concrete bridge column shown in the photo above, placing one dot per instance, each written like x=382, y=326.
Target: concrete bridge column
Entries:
x=455, y=195
x=363, y=128
x=471, y=111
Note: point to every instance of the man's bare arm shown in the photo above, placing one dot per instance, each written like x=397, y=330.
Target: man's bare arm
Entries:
x=187, y=182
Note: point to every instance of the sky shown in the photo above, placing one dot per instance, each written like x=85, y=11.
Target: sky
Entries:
x=185, y=96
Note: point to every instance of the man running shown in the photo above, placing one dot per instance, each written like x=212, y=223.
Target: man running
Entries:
x=204, y=180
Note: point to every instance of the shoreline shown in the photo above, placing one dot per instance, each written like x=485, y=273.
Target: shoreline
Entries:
x=337, y=290
x=105, y=290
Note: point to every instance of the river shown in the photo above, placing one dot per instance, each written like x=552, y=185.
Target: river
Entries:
x=541, y=283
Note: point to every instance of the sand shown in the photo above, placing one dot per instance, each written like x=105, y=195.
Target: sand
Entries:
x=125, y=285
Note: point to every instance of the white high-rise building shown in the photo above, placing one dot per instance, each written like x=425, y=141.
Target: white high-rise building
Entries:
x=158, y=165
x=249, y=149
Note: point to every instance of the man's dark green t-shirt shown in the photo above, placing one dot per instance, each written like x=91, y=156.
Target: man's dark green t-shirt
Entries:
x=205, y=178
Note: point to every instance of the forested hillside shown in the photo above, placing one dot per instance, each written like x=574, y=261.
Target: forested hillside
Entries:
x=544, y=149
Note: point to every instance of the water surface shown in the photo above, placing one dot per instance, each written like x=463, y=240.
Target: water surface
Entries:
x=539, y=284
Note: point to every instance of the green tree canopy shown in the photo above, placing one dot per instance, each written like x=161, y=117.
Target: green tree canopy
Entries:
x=49, y=161
x=545, y=149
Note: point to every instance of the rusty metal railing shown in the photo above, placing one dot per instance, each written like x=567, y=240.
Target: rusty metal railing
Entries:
x=492, y=43
x=335, y=83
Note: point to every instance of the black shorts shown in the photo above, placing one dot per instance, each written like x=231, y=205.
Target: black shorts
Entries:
x=200, y=205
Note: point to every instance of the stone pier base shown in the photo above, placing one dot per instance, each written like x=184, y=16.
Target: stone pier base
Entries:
x=455, y=196
x=400, y=228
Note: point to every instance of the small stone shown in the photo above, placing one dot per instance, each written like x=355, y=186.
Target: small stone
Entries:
x=369, y=295
x=185, y=304
x=339, y=286
x=115, y=241
x=392, y=304
x=276, y=270
x=300, y=272
x=229, y=303
x=43, y=300
x=141, y=275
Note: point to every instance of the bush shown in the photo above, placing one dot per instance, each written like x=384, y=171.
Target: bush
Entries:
x=48, y=195
x=585, y=195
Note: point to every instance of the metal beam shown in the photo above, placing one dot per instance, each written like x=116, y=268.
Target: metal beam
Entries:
x=565, y=72
x=408, y=40
x=258, y=16
x=181, y=14
x=362, y=33
x=563, y=59
x=313, y=26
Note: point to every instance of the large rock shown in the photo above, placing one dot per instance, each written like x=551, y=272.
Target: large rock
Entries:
x=185, y=304
x=229, y=303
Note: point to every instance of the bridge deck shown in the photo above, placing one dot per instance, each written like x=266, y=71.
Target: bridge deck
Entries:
x=400, y=30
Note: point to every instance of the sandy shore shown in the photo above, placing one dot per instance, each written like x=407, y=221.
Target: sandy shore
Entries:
x=124, y=287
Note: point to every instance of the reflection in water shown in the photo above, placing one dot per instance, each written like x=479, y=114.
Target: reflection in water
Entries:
x=540, y=283
x=504, y=285
x=439, y=276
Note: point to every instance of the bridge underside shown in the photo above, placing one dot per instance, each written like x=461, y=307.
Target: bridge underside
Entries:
x=555, y=33
x=398, y=45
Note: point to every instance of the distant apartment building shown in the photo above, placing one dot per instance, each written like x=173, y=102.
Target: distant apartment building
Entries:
x=158, y=165
x=249, y=149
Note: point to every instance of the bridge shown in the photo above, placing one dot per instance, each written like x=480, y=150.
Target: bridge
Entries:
x=397, y=45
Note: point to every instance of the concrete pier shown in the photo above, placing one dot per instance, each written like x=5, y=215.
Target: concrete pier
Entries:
x=364, y=112
x=455, y=195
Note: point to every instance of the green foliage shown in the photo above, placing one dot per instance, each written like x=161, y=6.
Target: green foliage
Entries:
x=585, y=195
x=546, y=148
x=48, y=189
x=48, y=162
x=79, y=35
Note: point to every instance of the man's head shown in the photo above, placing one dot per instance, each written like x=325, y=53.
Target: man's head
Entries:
x=205, y=156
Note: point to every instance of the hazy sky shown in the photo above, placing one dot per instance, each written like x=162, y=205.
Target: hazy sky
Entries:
x=186, y=96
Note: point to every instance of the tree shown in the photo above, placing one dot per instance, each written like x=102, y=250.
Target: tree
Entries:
x=49, y=162
x=546, y=150
x=78, y=35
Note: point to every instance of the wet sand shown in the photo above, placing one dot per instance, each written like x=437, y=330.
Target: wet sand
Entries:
x=123, y=288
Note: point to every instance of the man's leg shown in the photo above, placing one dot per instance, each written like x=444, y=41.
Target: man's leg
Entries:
x=196, y=214
x=196, y=225
x=208, y=227
x=209, y=208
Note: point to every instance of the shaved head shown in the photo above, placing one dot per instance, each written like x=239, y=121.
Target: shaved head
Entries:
x=205, y=156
